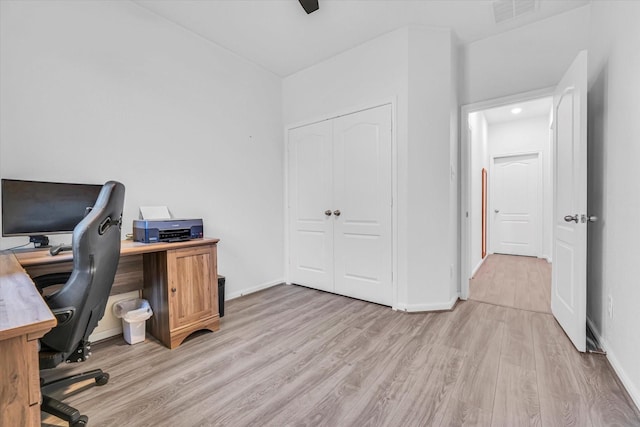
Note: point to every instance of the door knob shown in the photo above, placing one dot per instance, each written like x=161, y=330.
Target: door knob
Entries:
x=173, y=290
x=496, y=210
x=592, y=218
x=570, y=218
x=327, y=212
x=337, y=212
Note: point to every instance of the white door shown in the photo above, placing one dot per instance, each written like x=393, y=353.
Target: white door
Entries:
x=340, y=205
x=310, y=195
x=515, y=196
x=362, y=195
x=569, y=290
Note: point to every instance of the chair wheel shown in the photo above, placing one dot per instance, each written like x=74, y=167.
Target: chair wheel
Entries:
x=80, y=422
x=102, y=379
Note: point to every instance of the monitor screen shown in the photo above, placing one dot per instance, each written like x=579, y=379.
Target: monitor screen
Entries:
x=33, y=208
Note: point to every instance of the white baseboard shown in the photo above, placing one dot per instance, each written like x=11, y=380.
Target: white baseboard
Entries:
x=615, y=364
x=413, y=308
x=631, y=388
x=475, y=270
x=104, y=334
x=110, y=326
x=238, y=294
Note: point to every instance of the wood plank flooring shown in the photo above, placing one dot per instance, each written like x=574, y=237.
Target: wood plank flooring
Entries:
x=513, y=281
x=292, y=356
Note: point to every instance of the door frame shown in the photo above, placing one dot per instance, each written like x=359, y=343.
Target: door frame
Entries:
x=540, y=198
x=465, y=174
x=393, y=101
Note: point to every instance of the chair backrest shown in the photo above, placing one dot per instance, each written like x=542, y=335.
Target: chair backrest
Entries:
x=96, y=252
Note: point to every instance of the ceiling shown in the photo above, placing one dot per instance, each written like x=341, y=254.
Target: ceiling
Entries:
x=535, y=108
x=280, y=37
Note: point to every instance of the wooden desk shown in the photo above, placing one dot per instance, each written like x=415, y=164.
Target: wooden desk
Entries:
x=179, y=280
x=24, y=318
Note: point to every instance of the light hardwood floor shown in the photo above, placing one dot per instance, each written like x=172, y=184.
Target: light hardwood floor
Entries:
x=513, y=281
x=294, y=356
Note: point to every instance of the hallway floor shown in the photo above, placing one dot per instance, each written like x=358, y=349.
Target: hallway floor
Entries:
x=513, y=281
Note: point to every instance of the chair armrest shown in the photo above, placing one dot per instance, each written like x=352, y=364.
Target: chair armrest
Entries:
x=63, y=314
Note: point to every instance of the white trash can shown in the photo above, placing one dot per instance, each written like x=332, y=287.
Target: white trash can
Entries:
x=134, y=314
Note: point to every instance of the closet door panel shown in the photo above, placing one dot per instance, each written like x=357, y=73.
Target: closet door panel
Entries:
x=310, y=195
x=362, y=194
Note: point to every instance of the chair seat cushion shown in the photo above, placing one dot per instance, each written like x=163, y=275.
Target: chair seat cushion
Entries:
x=50, y=359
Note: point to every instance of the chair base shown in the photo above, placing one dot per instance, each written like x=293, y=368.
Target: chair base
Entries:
x=60, y=409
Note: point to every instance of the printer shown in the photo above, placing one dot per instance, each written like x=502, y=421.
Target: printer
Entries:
x=166, y=230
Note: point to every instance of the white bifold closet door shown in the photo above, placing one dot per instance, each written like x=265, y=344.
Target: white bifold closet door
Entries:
x=310, y=195
x=340, y=201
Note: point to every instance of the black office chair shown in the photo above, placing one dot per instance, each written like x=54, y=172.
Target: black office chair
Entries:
x=80, y=303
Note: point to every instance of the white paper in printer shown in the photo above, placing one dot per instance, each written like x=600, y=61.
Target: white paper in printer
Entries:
x=154, y=212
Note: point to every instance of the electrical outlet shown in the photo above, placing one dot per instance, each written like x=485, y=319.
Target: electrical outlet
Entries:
x=610, y=306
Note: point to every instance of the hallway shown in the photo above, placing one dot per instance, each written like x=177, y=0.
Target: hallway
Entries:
x=513, y=281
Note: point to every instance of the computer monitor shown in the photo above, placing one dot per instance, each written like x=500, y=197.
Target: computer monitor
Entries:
x=35, y=208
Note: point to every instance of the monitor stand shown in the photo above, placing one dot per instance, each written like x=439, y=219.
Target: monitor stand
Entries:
x=39, y=241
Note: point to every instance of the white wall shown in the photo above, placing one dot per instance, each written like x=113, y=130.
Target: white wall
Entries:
x=479, y=160
x=354, y=79
x=432, y=163
x=455, y=184
x=92, y=91
x=414, y=67
x=526, y=136
x=372, y=72
x=532, y=57
x=614, y=184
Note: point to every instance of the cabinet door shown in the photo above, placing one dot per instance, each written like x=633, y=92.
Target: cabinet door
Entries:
x=193, y=290
x=362, y=194
x=310, y=196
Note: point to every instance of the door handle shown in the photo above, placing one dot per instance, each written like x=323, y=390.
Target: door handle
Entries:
x=337, y=212
x=496, y=210
x=327, y=212
x=592, y=218
x=570, y=218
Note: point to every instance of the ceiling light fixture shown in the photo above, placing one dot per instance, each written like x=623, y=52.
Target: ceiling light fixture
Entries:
x=309, y=5
x=516, y=110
